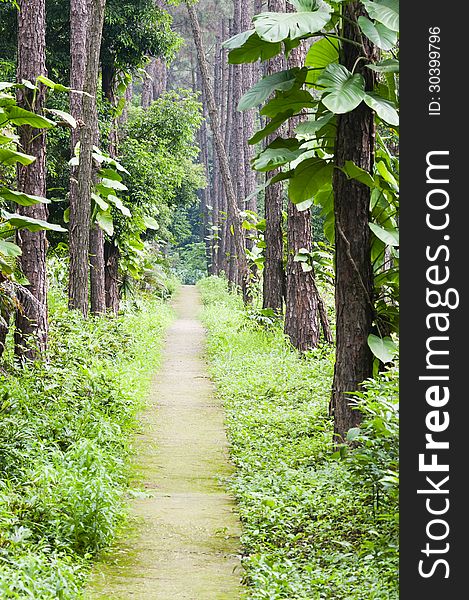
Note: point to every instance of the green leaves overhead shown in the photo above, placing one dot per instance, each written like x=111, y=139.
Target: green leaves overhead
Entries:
x=308, y=178
x=343, y=91
x=384, y=11
x=279, y=153
x=104, y=220
x=378, y=33
x=248, y=47
x=387, y=235
x=276, y=27
x=258, y=94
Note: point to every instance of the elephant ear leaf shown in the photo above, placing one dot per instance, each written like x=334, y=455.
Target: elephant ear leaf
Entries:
x=343, y=92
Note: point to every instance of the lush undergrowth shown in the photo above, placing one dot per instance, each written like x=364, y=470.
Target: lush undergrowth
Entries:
x=317, y=524
x=65, y=438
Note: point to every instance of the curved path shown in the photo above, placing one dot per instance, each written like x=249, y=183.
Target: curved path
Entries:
x=185, y=542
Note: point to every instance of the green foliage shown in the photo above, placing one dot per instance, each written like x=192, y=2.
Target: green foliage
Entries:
x=64, y=444
x=314, y=526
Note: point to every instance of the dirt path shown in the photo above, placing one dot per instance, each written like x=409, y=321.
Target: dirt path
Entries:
x=186, y=542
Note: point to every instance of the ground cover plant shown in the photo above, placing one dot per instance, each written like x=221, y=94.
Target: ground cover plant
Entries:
x=65, y=441
x=318, y=523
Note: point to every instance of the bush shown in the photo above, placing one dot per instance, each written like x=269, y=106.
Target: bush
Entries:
x=312, y=526
x=64, y=444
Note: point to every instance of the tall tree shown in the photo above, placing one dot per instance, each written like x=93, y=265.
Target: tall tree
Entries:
x=234, y=214
x=274, y=288
x=80, y=211
x=302, y=311
x=354, y=276
x=31, y=319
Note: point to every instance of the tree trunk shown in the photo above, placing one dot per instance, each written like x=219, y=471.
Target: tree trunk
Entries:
x=354, y=277
x=80, y=212
x=235, y=217
x=31, y=319
x=111, y=258
x=302, y=311
x=147, y=86
x=274, y=288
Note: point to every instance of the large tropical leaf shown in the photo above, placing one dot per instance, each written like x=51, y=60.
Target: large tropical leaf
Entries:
x=104, y=220
x=354, y=172
x=65, y=116
x=9, y=249
x=343, y=91
x=390, y=65
x=308, y=178
x=379, y=34
x=383, y=348
x=20, y=116
x=119, y=205
x=384, y=11
x=22, y=222
x=21, y=198
x=271, y=127
x=387, y=235
x=383, y=108
x=322, y=53
x=294, y=100
x=258, y=94
x=307, y=129
x=276, y=27
x=247, y=47
x=11, y=157
x=277, y=154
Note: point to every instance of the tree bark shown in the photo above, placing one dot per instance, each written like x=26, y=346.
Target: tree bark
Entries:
x=80, y=211
x=302, y=310
x=235, y=217
x=31, y=319
x=274, y=288
x=354, y=276
x=97, y=271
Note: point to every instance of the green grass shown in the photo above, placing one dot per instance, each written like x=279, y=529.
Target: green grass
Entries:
x=316, y=526
x=65, y=440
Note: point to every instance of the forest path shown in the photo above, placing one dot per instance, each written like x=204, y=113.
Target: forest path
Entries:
x=184, y=539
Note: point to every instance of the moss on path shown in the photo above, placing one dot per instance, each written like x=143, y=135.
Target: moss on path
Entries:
x=184, y=541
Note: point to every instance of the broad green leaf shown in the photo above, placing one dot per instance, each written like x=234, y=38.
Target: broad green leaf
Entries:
x=258, y=94
x=21, y=198
x=271, y=127
x=307, y=129
x=251, y=49
x=294, y=100
x=104, y=220
x=65, y=116
x=276, y=27
x=110, y=174
x=390, y=65
x=308, y=178
x=383, y=348
x=354, y=172
x=20, y=116
x=301, y=206
x=119, y=205
x=353, y=433
x=383, y=108
x=387, y=175
x=112, y=184
x=306, y=267
x=271, y=158
x=150, y=222
x=378, y=33
x=67, y=215
x=6, y=100
x=103, y=205
x=4, y=85
x=57, y=87
x=389, y=236
x=9, y=249
x=321, y=54
x=11, y=157
x=343, y=91
x=22, y=222
x=384, y=11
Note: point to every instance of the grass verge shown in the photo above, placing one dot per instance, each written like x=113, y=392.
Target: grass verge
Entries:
x=317, y=524
x=65, y=435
